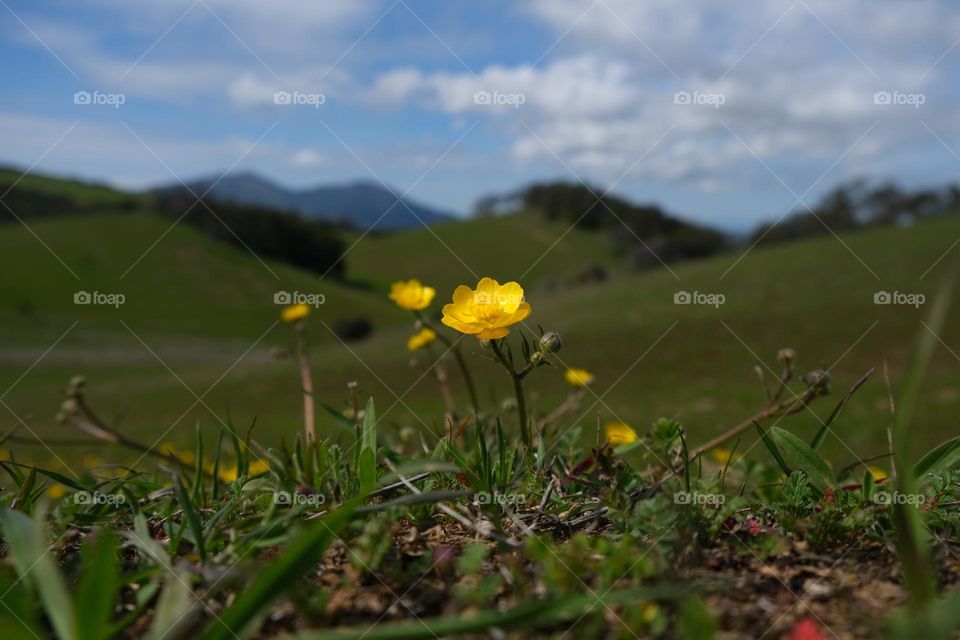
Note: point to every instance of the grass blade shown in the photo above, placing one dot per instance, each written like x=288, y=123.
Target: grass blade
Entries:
x=190, y=515
x=98, y=586
x=299, y=557
x=27, y=545
x=536, y=612
x=918, y=571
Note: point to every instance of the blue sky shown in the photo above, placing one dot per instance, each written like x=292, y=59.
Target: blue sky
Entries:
x=726, y=113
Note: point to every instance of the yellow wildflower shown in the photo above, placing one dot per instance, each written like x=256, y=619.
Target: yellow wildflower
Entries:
x=618, y=433
x=411, y=295
x=878, y=473
x=56, y=491
x=488, y=311
x=92, y=461
x=228, y=473
x=723, y=456
x=295, y=312
x=422, y=339
x=649, y=612
x=578, y=377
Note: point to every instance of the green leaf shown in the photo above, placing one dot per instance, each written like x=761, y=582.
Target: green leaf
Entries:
x=368, y=449
x=772, y=448
x=282, y=573
x=799, y=455
x=176, y=607
x=190, y=515
x=27, y=546
x=341, y=419
x=529, y=614
x=912, y=539
x=941, y=458
x=98, y=586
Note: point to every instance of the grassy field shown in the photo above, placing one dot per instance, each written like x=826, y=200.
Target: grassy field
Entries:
x=200, y=316
x=221, y=538
x=519, y=246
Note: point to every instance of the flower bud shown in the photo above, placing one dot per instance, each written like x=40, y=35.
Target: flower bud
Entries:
x=819, y=380
x=77, y=383
x=786, y=356
x=70, y=407
x=550, y=342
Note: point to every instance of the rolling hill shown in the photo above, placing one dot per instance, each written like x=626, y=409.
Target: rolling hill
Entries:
x=199, y=319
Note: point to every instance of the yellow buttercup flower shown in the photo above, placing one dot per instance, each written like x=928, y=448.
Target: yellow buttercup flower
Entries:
x=488, y=311
x=422, y=339
x=723, y=456
x=258, y=467
x=578, y=377
x=295, y=312
x=411, y=295
x=56, y=491
x=878, y=473
x=618, y=433
x=649, y=612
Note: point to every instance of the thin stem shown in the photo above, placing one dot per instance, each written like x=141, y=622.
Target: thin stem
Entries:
x=306, y=381
x=517, y=389
x=458, y=356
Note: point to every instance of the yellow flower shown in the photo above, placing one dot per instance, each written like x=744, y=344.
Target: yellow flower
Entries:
x=618, y=433
x=723, y=456
x=649, y=612
x=91, y=461
x=878, y=473
x=578, y=377
x=487, y=311
x=56, y=491
x=411, y=295
x=422, y=339
x=295, y=312
x=228, y=473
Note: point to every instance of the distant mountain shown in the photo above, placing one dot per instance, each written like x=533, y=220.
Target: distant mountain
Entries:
x=361, y=205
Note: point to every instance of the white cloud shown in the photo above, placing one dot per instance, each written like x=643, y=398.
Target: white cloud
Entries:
x=799, y=94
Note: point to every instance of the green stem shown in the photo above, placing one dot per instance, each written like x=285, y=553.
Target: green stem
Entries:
x=458, y=356
x=517, y=389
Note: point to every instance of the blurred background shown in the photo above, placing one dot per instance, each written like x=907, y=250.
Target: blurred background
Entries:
x=682, y=190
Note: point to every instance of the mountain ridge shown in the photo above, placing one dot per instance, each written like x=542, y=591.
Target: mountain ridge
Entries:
x=362, y=204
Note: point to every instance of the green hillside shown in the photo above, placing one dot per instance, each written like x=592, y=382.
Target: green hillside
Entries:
x=200, y=306
x=510, y=247
x=84, y=194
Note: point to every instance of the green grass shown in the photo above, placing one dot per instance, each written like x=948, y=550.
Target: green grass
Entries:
x=85, y=194
x=512, y=247
x=200, y=306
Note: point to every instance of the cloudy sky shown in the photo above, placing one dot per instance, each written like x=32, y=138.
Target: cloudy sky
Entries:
x=723, y=112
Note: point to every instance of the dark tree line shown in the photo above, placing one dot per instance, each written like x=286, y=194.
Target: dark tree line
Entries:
x=309, y=244
x=645, y=234
x=859, y=204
